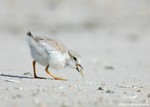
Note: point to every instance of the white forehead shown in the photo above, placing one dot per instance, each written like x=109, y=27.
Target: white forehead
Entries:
x=79, y=60
x=76, y=55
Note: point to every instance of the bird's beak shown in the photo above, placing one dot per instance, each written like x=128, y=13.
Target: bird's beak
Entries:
x=80, y=69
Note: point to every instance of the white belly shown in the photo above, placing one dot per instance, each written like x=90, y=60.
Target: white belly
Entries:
x=54, y=59
x=40, y=55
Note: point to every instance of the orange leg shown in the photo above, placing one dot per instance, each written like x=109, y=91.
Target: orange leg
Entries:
x=35, y=76
x=56, y=78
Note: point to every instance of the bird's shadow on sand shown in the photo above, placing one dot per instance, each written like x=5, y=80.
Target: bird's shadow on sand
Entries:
x=16, y=76
x=20, y=77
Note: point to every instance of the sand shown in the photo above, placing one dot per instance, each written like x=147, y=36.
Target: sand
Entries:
x=111, y=37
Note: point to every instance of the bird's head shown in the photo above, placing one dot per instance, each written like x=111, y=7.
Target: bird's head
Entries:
x=76, y=61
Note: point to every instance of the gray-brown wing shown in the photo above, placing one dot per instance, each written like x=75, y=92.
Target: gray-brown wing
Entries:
x=55, y=45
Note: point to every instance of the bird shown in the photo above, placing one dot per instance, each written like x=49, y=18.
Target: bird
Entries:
x=52, y=54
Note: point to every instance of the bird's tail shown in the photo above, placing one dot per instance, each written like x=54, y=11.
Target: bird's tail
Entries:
x=30, y=38
x=29, y=34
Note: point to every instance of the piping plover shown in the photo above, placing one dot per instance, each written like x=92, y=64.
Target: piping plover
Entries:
x=53, y=54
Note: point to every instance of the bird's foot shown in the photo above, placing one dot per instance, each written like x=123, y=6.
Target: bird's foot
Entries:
x=60, y=78
x=39, y=77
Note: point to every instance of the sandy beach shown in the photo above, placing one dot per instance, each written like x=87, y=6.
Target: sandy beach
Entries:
x=112, y=37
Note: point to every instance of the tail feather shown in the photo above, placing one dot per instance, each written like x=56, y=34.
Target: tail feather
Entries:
x=29, y=34
x=30, y=39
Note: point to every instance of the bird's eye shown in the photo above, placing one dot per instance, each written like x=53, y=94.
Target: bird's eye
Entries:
x=75, y=58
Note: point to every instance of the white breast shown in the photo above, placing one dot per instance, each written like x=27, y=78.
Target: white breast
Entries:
x=57, y=59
